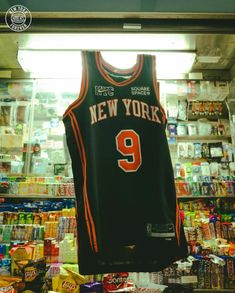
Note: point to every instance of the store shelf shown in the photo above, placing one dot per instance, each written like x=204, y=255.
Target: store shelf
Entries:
x=39, y=196
x=13, y=103
x=201, y=137
x=213, y=290
x=205, y=196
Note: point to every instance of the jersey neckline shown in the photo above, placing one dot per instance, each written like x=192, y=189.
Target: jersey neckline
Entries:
x=134, y=71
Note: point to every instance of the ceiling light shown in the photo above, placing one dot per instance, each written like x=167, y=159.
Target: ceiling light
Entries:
x=208, y=59
x=67, y=63
x=51, y=63
x=5, y=73
x=110, y=42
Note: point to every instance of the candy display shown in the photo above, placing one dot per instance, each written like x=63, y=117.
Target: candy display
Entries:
x=205, y=186
x=206, y=108
x=201, y=127
x=26, y=186
x=217, y=151
x=203, y=272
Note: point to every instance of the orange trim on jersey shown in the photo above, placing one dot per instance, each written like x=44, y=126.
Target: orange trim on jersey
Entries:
x=137, y=69
x=84, y=87
x=85, y=205
x=93, y=230
x=156, y=88
x=177, y=225
x=163, y=114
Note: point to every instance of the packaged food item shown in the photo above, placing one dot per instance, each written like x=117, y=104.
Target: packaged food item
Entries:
x=9, y=284
x=205, y=151
x=190, y=147
x=181, y=129
x=93, y=287
x=20, y=253
x=216, y=150
x=171, y=129
x=67, y=282
x=197, y=150
x=33, y=275
x=118, y=282
x=182, y=109
x=205, y=169
x=182, y=150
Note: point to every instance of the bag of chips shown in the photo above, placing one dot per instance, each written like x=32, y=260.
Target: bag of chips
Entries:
x=118, y=282
x=9, y=284
x=33, y=275
x=67, y=282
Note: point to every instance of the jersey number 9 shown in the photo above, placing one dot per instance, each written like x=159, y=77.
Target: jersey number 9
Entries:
x=128, y=144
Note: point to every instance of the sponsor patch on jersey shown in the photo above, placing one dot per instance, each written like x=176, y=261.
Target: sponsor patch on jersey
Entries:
x=104, y=91
x=140, y=90
x=160, y=230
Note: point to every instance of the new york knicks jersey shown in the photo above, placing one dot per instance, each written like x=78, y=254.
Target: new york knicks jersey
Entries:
x=127, y=214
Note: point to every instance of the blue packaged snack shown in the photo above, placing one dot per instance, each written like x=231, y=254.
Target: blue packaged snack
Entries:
x=95, y=287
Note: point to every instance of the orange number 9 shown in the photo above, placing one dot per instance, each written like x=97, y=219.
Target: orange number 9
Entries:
x=128, y=144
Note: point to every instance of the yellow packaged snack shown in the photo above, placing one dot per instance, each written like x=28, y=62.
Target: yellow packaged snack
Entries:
x=9, y=284
x=68, y=282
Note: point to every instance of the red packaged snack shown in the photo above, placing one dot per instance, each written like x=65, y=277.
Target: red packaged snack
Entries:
x=118, y=282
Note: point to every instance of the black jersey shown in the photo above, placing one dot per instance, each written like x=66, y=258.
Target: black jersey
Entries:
x=126, y=201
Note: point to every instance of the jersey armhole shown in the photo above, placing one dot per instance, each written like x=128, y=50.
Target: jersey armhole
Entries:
x=156, y=89
x=83, y=86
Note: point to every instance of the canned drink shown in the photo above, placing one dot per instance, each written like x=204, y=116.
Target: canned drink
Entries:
x=22, y=218
x=41, y=232
x=50, y=189
x=56, y=189
x=29, y=218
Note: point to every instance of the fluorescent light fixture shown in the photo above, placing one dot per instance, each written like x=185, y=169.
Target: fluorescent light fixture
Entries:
x=5, y=74
x=109, y=42
x=68, y=64
x=208, y=59
x=51, y=63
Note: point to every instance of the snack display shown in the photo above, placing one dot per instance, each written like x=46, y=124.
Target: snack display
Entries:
x=38, y=235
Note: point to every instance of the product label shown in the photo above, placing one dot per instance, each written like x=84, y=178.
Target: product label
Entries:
x=160, y=230
x=188, y=279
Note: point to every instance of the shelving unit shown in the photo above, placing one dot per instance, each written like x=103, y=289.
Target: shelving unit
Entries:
x=213, y=290
x=204, y=196
x=193, y=206
x=33, y=197
x=201, y=137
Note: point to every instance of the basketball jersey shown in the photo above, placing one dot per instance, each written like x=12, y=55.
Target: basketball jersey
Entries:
x=125, y=194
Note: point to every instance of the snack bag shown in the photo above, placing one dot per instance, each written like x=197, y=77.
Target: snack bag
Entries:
x=9, y=284
x=67, y=282
x=92, y=287
x=33, y=275
x=118, y=282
